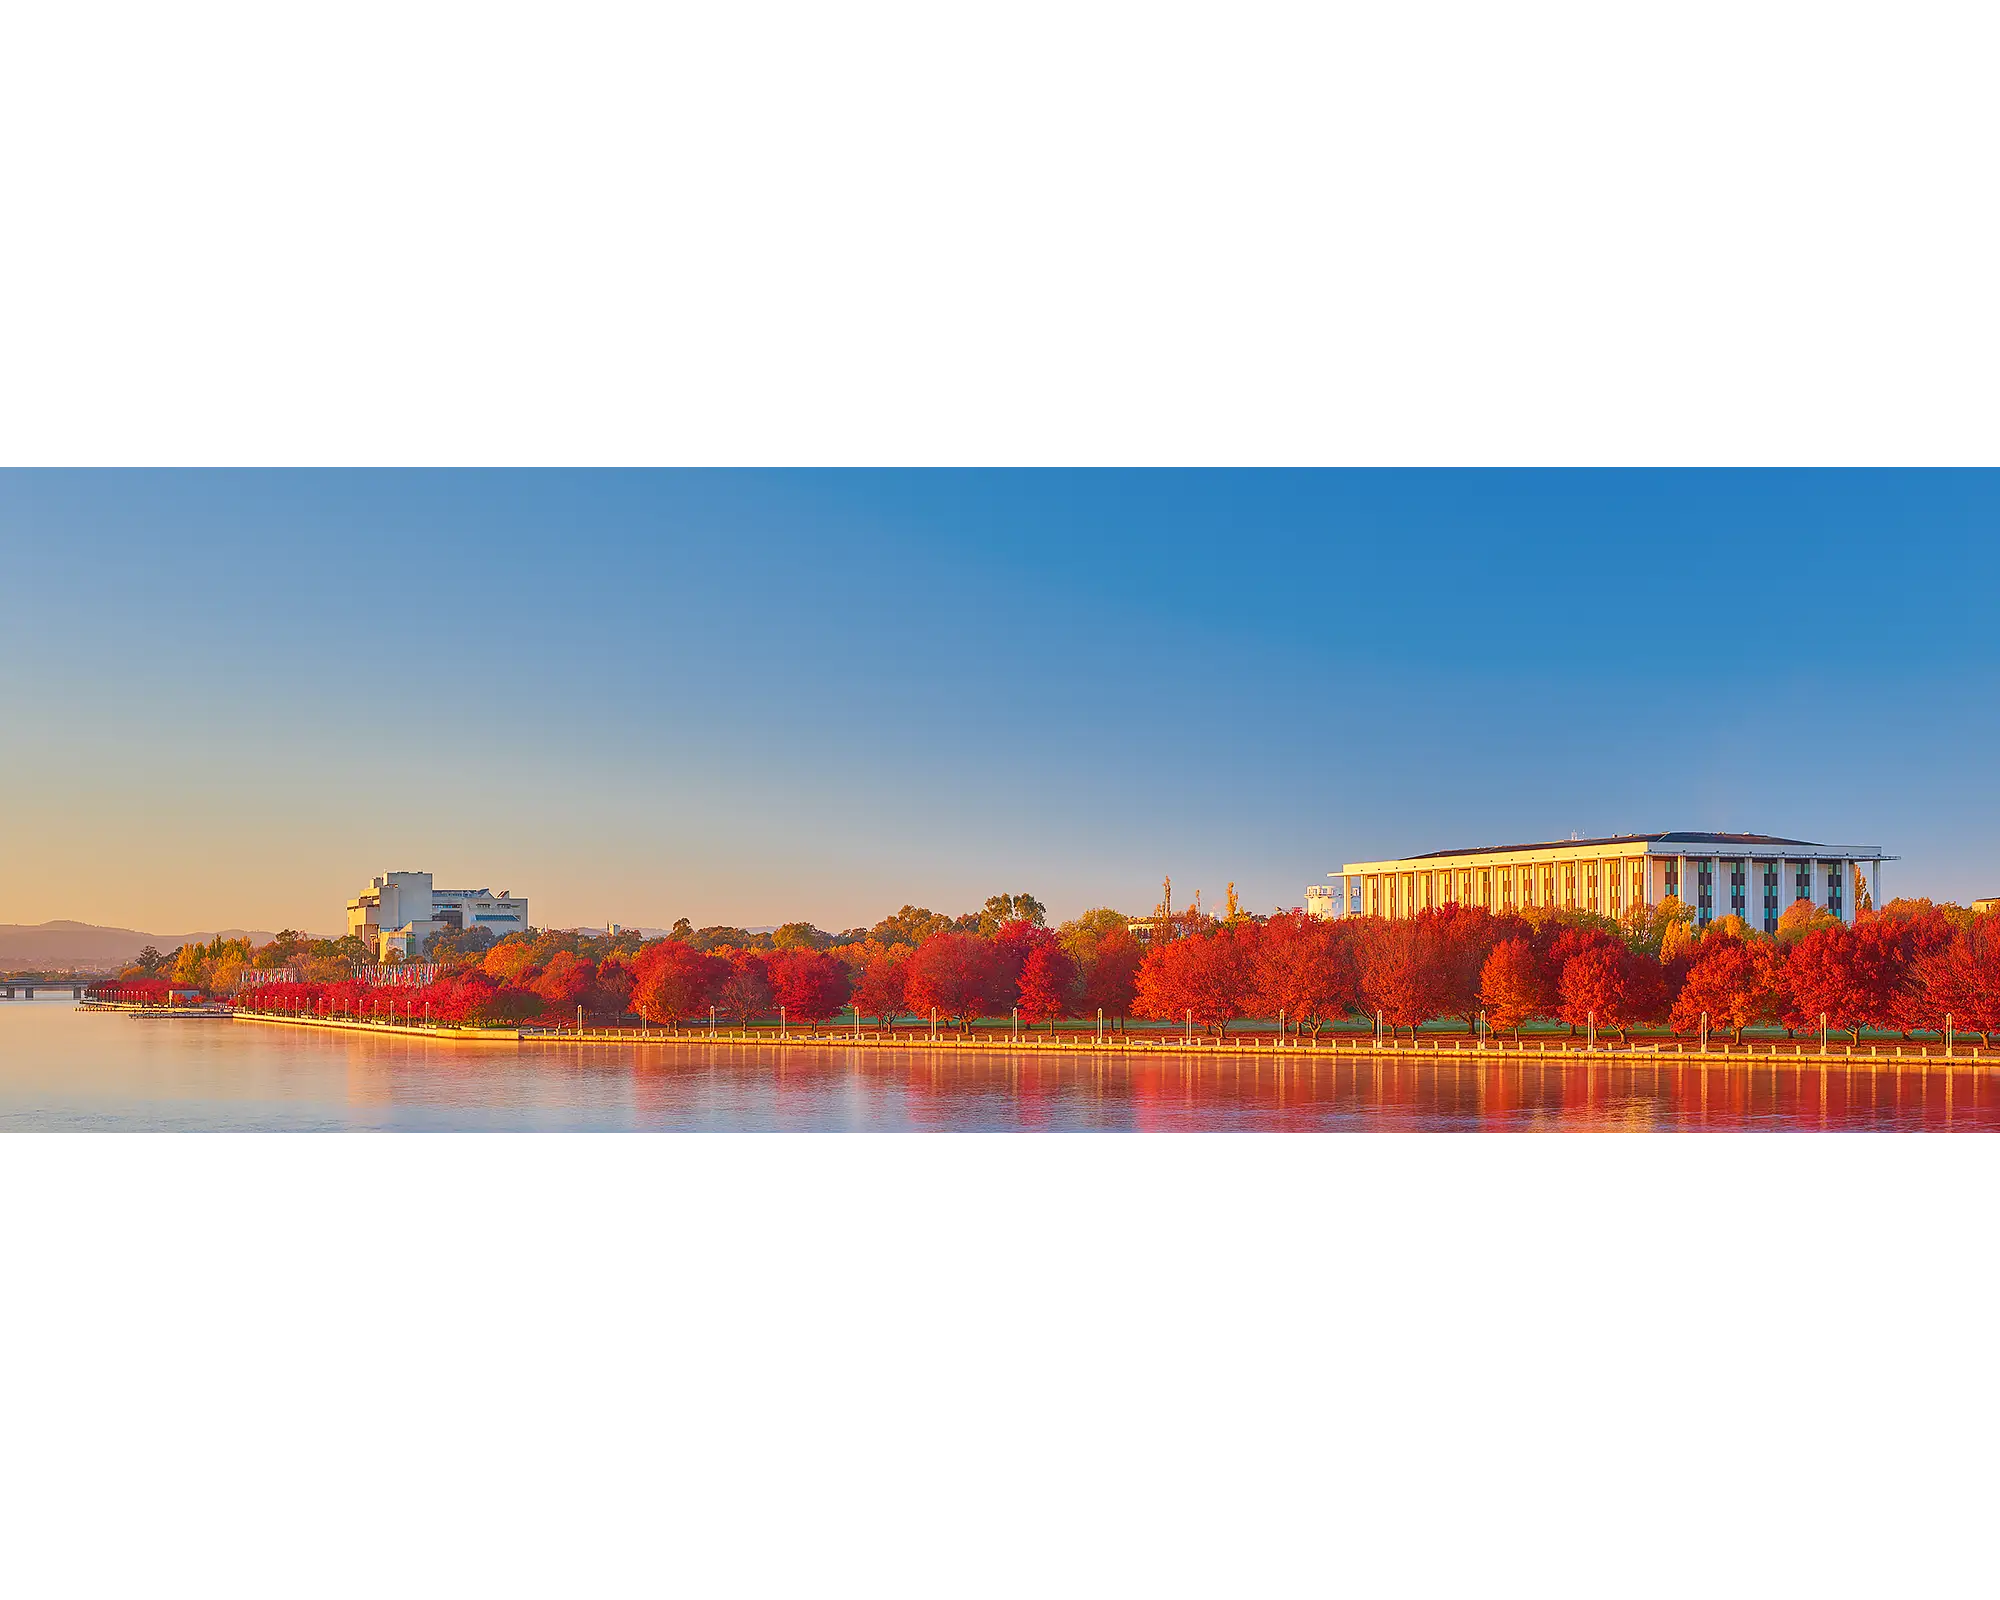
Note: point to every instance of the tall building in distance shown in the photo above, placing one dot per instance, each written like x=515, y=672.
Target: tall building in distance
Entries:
x=1752, y=875
x=399, y=912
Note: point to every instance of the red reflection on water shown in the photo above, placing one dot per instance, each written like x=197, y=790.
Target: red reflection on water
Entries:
x=1306, y=1090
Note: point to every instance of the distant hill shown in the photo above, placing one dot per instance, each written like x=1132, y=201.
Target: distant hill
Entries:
x=35, y=947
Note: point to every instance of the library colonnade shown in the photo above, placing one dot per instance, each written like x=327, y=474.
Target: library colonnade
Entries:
x=1754, y=876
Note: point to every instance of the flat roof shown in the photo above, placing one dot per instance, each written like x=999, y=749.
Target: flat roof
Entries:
x=1621, y=838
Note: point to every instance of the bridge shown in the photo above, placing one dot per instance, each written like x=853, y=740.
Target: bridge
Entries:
x=24, y=988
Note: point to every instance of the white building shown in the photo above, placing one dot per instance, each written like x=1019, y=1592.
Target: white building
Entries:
x=400, y=911
x=1753, y=875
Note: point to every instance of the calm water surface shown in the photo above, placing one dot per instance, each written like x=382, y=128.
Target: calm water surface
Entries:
x=64, y=1068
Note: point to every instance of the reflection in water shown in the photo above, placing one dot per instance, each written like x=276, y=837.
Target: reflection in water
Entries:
x=60, y=1068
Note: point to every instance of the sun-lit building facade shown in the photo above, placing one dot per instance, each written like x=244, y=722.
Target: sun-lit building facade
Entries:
x=1752, y=875
x=400, y=912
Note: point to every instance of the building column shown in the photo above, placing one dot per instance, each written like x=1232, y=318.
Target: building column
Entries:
x=1715, y=911
x=1681, y=881
x=1875, y=883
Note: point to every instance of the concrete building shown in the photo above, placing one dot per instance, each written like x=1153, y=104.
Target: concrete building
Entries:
x=1753, y=875
x=400, y=911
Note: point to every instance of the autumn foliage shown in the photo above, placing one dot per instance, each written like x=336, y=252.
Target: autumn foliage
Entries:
x=1908, y=967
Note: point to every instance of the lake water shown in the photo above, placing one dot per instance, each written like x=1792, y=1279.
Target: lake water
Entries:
x=65, y=1068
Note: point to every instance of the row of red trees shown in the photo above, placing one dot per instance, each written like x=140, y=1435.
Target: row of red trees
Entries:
x=1897, y=972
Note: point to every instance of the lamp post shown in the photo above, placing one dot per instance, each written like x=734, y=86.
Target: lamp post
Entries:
x=1822, y=1033
x=1704, y=1033
x=1100, y=1024
x=1482, y=1030
x=1590, y=1031
x=782, y=1026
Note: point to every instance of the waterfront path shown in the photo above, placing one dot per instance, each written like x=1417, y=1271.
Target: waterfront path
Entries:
x=1794, y=1055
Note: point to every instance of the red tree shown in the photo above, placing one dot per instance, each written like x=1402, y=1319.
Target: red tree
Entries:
x=1913, y=940
x=1513, y=986
x=746, y=990
x=613, y=990
x=1208, y=975
x=1734, y=982
x=1976, y=955
x=566, y=982
x=810, y=984
x=1403, y=970
x=881, y=992
x=1110, y=979
x=1819, y=975
x=953, y=974
x=1618, y=985
x=1304, y=969
x=1011, y=944
x=1460, y=938
x=1047, y=984
x=674, y=981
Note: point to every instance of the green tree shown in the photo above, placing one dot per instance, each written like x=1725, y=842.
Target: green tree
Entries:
x=1001, y=908
x=1081, y=936
x=911, y=926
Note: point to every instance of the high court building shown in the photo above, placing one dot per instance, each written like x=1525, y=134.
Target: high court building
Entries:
x=1752, y=875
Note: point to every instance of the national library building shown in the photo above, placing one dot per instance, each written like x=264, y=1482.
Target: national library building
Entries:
x=1752, y=875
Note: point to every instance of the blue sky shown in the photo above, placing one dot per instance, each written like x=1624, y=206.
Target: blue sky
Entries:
x=751, y=697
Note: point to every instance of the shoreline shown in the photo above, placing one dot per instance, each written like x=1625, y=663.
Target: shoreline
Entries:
x=1895, y=1059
